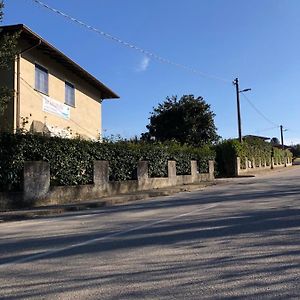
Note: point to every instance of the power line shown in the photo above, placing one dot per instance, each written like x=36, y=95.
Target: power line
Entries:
x=258, y=111
x=129, y=45
x=39, y=96
x=266, y=129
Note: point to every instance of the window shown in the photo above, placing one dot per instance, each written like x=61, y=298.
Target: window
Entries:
x=41, y=79
x=69, y=94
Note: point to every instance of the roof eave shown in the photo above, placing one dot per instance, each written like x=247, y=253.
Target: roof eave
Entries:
x=105, y=91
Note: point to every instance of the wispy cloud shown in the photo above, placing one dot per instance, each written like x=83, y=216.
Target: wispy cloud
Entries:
x=143, y=65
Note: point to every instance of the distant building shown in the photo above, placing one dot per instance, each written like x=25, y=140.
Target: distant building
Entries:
x=53, y=94
x=264, y=138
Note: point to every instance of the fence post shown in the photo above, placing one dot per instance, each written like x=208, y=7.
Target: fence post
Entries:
x=211, y=169
x=246, y=163
x=194, y=170
x=237, y=166
x=36, y=182
x=101, y=172
x=259, y=163
x=142, y=171
x=172, y=172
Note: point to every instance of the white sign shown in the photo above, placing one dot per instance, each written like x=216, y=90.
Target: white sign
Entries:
x=55, y=107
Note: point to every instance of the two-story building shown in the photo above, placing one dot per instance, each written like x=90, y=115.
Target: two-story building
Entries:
x=53, y=94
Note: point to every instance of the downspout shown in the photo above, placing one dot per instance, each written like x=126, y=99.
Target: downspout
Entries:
x=18, y=99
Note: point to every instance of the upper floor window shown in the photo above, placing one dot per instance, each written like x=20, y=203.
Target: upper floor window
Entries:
x=69, y=94
x=41, y=79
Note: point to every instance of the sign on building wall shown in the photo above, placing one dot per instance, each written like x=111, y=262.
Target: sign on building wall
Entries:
x=55, y=107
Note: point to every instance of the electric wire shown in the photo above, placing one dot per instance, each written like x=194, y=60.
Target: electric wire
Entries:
x=267, y=129
x=39, y=96
x=129, y=45
x=258, y=111
x=150, y=54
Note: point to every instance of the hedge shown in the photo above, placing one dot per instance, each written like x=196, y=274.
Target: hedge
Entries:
x=71, y=160
x=228, y=150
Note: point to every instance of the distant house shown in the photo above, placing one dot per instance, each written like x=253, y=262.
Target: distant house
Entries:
x=264, y=138
x=53, y=94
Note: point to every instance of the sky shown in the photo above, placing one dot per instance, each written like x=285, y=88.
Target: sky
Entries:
x=257, y=41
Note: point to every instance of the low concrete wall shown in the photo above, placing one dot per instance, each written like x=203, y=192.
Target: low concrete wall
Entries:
x=10, y=200
x=251, y=167
x=37, y=190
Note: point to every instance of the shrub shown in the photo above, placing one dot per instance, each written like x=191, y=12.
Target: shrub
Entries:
x=228, y=150
x=71, y=160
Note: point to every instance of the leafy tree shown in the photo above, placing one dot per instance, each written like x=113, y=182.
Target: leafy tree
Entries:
x=187, y=120
x=8, y=52
x=275, y=141
x=296, y=150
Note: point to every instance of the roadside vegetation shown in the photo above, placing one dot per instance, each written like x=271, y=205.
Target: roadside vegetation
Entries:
x=180, y=129
x=71, y=160
x=296, y=150
x=260, y=150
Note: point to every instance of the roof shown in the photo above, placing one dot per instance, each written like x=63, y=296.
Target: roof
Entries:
x=256, y=137
x=48, y=49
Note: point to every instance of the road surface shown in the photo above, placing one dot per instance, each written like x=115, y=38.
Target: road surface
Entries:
x=236, y=240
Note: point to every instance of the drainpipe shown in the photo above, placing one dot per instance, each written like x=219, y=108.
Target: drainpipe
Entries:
x=18, y=98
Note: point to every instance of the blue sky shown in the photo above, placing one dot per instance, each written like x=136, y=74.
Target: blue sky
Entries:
x=257, y=41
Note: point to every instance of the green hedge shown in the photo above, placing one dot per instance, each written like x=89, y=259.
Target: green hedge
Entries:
x=228, y=150
x=71, y=160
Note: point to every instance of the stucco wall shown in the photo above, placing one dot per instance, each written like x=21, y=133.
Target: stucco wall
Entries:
x=85, y=117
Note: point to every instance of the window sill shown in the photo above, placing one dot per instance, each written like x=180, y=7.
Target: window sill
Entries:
x=73, y=106
x=42, y=92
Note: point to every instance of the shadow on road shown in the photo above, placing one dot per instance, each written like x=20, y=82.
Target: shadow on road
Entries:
x=259, y=248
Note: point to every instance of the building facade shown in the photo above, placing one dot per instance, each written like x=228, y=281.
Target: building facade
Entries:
x=53, y=95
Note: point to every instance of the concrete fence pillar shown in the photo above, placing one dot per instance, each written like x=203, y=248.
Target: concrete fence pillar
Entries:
x=142, y=171
x=259, y=162
x=172, y=171
x=36, y=182
x=194, y=170
x=237, y=166
x=246, y=164
x=272, y=162
x=101, y=172
x=211, y=169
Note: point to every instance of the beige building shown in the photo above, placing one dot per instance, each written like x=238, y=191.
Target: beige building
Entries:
x=53, y=94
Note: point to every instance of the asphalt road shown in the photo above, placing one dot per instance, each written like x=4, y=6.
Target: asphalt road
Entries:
x=237, y=240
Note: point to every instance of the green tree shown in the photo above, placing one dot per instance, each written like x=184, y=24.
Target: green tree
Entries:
x=8, y=52
x=296, y=150
x=188, y=120
x=275, y=141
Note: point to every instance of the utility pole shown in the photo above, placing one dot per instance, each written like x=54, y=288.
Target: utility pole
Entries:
x=236, y=83
x=281, y=133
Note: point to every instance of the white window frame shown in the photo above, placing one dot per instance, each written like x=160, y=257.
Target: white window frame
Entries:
x=68, y=101
x=42, y=87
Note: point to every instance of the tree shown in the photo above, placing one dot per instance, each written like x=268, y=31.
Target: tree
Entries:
x=8, y=52
x=275, y=141
x=188, y=120
x=296, y=150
